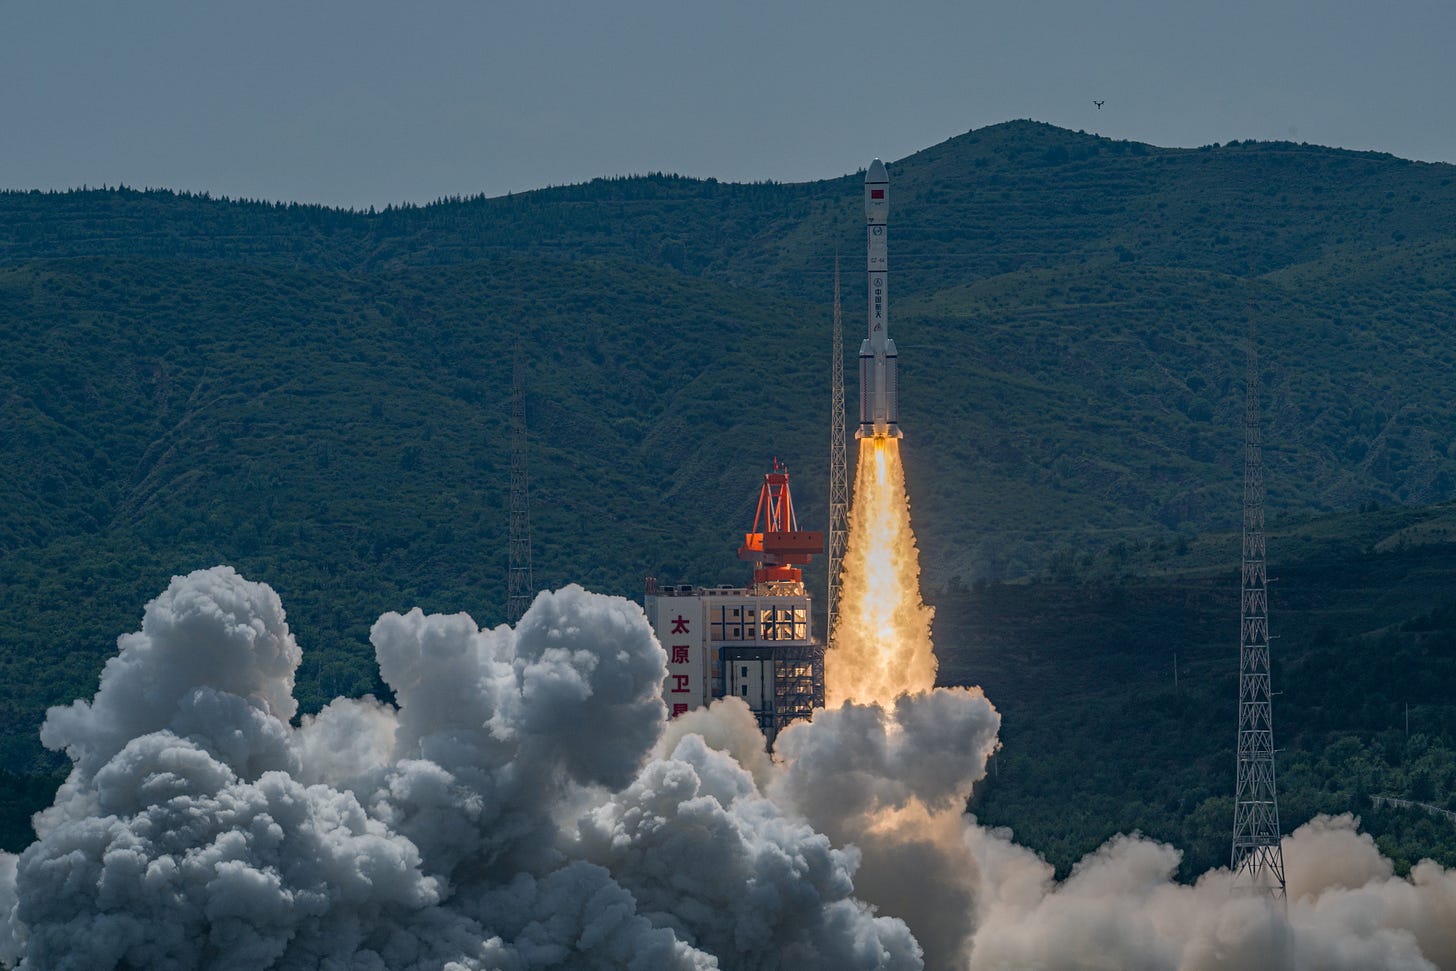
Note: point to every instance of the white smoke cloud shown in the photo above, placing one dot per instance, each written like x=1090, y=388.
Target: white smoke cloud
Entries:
x=523, y=804
x=11, y=943
x=465, y=826
x=849, y=765
x=1120, y=908
x=197, y=828
x=210, y=632
x=894, y=783
x=726, y=725
x=704, y=852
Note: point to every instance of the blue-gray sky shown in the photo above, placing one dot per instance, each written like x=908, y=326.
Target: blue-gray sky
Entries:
x=369, y=102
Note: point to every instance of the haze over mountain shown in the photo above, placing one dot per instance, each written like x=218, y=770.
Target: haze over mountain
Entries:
x=318, y=397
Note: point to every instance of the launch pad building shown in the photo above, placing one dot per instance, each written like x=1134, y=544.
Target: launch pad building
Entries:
x=754, y=642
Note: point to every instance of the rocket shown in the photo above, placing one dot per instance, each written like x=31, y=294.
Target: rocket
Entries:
x=879, y=406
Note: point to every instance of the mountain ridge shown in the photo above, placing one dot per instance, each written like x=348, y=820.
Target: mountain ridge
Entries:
x=318, y=397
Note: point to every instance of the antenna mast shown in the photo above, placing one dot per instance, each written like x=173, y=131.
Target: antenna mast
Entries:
x=1258, y=858
x=838, y=466
x=520, y=586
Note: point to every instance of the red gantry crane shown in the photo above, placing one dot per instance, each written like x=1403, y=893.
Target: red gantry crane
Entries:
x=777, y=547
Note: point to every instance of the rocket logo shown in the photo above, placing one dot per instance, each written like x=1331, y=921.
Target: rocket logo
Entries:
x=877, y=193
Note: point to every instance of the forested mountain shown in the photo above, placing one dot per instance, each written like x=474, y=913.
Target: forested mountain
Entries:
x=319, y=397
x=1117, y=680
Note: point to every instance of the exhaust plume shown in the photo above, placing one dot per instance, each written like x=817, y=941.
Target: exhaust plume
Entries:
x=881, y=636
x=504, y=813
x=524, y=805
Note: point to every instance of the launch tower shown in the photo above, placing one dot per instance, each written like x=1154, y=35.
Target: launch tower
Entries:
x=838, y=466
x=520, y=584
x=1258, y=858
x=755, y=642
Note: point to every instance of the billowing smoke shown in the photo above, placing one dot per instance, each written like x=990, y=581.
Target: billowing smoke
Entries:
x=508, y=812
x=1121, y=909
x=523, y=804
x=199, y=829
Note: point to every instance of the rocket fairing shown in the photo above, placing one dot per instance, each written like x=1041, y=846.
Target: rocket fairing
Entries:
x=879, y=406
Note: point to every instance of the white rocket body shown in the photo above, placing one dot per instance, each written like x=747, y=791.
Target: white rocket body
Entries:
x=879, y=407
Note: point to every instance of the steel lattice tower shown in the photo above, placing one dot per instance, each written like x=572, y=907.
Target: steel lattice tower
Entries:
x=838, y=465
x=1258, y=859
x=520, y=585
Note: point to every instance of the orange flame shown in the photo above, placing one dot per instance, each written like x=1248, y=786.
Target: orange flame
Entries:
x=881, y=632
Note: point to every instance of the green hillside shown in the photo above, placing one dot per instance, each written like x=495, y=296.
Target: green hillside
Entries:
x=1069, y=310
x=345, y=439
x=1100, y=738
x=319, y=398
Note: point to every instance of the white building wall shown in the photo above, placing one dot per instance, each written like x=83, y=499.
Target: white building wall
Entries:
x=695, y=624
x=679, y=624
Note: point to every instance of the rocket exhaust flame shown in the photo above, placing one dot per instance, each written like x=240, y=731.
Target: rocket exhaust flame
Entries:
x=881, y=640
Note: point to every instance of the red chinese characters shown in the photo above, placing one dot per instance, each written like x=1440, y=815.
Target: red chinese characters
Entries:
x=680, y=673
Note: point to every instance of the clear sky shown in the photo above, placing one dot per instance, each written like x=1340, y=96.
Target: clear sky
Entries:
x=360, y=102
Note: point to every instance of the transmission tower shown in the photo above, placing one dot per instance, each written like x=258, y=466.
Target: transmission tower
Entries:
x=1258, y=859
x=838, y=467
x=520, y=586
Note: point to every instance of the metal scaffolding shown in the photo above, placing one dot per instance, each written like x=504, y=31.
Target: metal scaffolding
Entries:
x=520, y=585
x=1257, y=859
x=838, y=467
x=798, y=682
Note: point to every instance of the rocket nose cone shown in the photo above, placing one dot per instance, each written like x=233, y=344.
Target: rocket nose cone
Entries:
x=877, y=172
